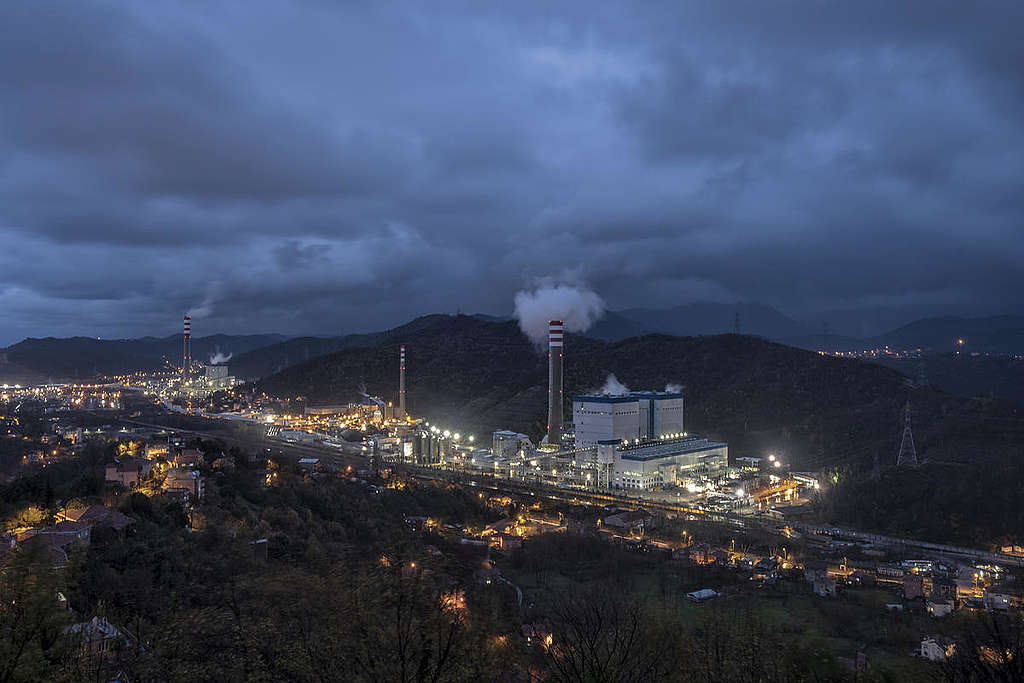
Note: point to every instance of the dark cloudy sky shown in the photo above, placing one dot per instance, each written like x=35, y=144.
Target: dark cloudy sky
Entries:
x=329, y=167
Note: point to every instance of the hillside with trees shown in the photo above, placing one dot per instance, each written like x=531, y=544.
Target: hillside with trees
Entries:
x=816, y=412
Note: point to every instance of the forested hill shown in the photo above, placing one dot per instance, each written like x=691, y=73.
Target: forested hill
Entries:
x=816, y=411
x=83, y=358
x=267, y=360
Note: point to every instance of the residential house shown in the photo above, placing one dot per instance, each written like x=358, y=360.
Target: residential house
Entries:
x=937, y=649
x=701, y=554
x=187, y=457
x=506, y=541
x=943, y=588
x=939, y=608
x=1000, y=597
x=185, y=481
x=128, y=472
x=913, y=586
x=97, y=638
x=721, y=557
x=631, y=521
x=537, y=635
x=100, y=518
x=702, y=595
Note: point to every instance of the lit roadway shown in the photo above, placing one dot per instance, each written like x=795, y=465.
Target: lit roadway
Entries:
x=354, y=456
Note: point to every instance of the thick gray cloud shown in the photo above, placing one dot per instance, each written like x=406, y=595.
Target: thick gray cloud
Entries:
x=336, y=167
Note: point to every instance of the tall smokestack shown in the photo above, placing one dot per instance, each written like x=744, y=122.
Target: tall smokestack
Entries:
x=555, y=338
x=186, y=361
x=401, y=381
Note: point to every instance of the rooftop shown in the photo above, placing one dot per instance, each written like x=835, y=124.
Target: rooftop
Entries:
x=650, y=450
x=626, y=398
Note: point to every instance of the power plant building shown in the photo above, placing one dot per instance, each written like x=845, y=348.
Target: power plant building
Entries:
x=657, y=463
x=637, y=416
x=509, y=445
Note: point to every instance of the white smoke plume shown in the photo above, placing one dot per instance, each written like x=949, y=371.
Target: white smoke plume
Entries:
x=218, y=357
x=674, y=388
x=205, y=309
x=613, y=387
x=573, y=303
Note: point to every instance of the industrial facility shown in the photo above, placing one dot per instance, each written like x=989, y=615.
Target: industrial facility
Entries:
x=633, y=440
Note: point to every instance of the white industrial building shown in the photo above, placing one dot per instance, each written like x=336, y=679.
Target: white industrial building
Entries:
x=657, y=463
x=629, y=417
x=509, y=445
x=650, y=464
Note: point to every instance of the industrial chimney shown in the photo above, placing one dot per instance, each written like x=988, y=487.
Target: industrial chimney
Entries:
x=401, y=381
x=186, y=361
x=555, y=337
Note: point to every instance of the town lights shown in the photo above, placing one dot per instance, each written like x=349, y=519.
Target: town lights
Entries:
x=739, y=493
x=771, y=457
x=777, y=464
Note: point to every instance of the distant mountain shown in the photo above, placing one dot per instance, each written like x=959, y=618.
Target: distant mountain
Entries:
x=966, y=374
x=822, y=342
x=276, y=357
x=614, y=326
x=706, y=318
x=993, y=334
x=52, y=359
x=697, y=319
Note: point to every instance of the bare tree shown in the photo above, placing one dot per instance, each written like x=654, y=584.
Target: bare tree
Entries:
x=991, y=650
x=603, y=637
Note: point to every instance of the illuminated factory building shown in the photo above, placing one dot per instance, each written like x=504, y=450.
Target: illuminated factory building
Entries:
x=639, y=415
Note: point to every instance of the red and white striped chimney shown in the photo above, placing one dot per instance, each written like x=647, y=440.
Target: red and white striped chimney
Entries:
x=186, y=361
x=401, y=381
x=555, y=349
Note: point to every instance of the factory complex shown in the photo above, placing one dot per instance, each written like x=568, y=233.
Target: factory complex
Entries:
x=634, y=441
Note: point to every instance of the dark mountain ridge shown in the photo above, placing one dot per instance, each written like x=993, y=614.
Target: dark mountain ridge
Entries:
x=816, y=411
x=53, y=359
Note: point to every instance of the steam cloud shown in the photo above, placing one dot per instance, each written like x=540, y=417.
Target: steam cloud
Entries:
x=218, y=357
x=575, y=304
x=613, y=387
x=205, y=309
x=674, y=388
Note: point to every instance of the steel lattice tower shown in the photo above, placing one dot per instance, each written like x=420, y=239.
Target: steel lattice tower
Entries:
x=908, y=453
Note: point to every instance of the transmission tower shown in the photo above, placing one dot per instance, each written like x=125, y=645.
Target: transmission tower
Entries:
x=922, y=373
x=908, y=454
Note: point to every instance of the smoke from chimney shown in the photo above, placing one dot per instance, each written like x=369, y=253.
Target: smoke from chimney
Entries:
x=613, y=387
x=218, y=357
x=574, y=304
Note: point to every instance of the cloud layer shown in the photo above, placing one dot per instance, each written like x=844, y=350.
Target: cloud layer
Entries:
x=336, y=167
